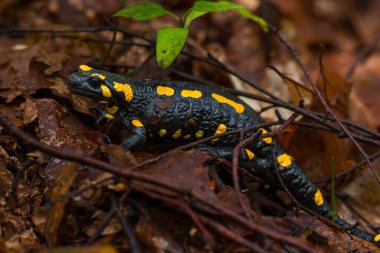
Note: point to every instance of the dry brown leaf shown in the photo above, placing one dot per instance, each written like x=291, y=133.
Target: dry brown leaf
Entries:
x=319, y=147
x=55, y=214
x=299, y=93
x=335, y=91
x=157, y=239
x=183, y=168
x=6, y=179
x=23, y=73
x=119, y=156
x=363, y=195
x=365, y=103
x=30, y=111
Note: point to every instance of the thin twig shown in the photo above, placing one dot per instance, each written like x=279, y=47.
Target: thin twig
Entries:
x=235, y=174
x=127, y=228
x=103, y=224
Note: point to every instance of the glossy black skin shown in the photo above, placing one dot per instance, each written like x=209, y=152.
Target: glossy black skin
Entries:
x=174, y=112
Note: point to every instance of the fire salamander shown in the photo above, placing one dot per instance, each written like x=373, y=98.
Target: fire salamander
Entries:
x=180, y=111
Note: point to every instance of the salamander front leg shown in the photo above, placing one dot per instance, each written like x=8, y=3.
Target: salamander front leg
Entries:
x=138, y=136
x=102, y=116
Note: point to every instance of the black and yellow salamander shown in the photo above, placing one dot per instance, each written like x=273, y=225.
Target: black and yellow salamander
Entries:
x=180, y=111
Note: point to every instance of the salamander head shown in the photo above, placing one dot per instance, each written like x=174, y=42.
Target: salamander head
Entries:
x=89, y=83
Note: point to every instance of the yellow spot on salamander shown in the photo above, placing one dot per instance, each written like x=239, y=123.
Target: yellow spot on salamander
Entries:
x=126, y=89
x=377, y=238
x=112, y=110
x=239, y=108
x=105, y=91
x=318, y=198
x=163, y=90
x=187, y=136
x=191, y=93
x=199, y=134
x=177, y=134
x=137, y=123
x=221, y=129
x=85, y=67
x=108, y=116
x=212, y=184
x=284, y=160
x=162, y=132
x=267, y=140
x=250, y=154
x=99, y=75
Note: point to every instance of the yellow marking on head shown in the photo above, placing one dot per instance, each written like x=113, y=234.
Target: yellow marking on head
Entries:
x=250, y=154
x=108, y=116
x=187, y=136
x=105, y=91
x=221, y=129
x=113, y=109
x=239, y=108
x=284, y=160
x=85, y=67
x=163, y=90
x=267, y=140
x=99, y=75
x=126, y=88
x=137, y=123
x=199, y=134
x=191, y=93
x=177, y=134
x=318, y=198
x=377, y=238
x=162, y=132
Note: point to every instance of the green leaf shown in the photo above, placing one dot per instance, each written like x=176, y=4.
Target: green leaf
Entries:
x=191, y=16
x=246, y=13
x=170, y=41
x=201, y=8
x=142, y=11
x=220, y=6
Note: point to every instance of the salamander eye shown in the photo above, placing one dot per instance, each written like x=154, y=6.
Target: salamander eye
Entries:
x=94, y=81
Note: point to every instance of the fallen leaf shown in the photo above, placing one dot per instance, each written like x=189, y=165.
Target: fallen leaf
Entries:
x=56, y=212
x=335, y=91
x=299, y=93
x=30, y=111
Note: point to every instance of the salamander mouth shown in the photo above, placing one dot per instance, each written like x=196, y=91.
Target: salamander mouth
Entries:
x=87, y=94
